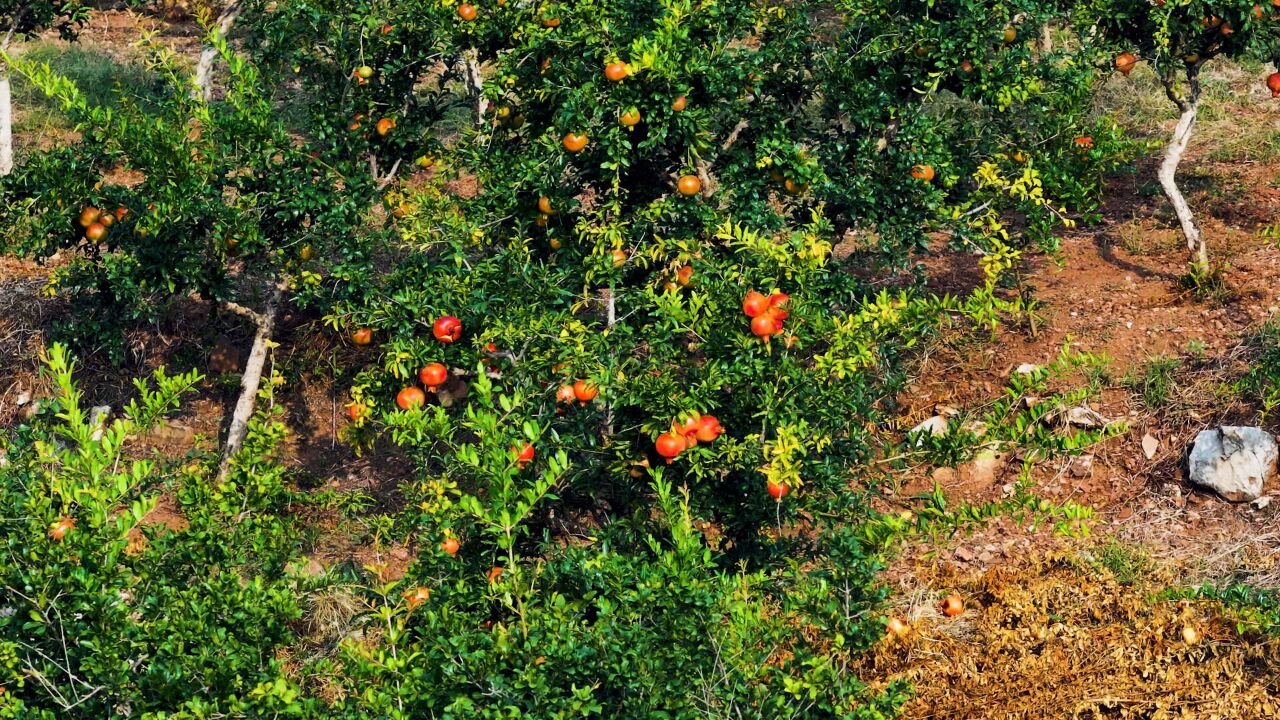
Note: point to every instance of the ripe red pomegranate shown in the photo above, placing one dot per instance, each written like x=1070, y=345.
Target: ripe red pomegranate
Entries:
x=616, y=71
x=524, y=455
x=585, y=391
x=778, y=490
x=566, y=394
x=433, y=375
x=765, y=325
x=778, y=304
x=410, y=397
x=447, y=329
x=754, y=304
x=1273, y=84
x=709, y=428
x=670, y=445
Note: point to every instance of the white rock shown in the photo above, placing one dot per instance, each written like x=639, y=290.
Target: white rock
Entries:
x=1026, y=368
x=1233, y=461
x=1149, y=446
x=936, y=425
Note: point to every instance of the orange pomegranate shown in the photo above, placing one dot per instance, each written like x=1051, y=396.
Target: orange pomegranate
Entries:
x=952, y=606
x=616, y=71
x=410, y=398
x=689, y=185
x=433, y=375
x=585, y=391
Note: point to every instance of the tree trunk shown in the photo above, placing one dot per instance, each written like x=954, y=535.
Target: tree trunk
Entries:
x=6, y=123
x=475, y=85
x=251, y=381
x=204, y=68
x=1168, y=171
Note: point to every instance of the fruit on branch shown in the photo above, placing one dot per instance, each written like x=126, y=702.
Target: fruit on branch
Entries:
x=575, y=142
x=415, y=597
x=566, y=394
x=89, y=216
x=410, y=398
x=616, y=71
x=709, y=429
x=585, y=391
x=447, y=329
x=754, y=304
x=356, y=411
x=433, y=375
x=669, y=445
x=524, y=455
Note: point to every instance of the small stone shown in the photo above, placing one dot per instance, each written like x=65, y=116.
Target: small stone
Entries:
x=1149, y=446
x=22, y=399
x=936, y=425
x=1026, y=368
x=984, y=468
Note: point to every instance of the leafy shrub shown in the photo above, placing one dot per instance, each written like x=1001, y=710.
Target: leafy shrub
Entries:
x=560, y=292
x=105, y=613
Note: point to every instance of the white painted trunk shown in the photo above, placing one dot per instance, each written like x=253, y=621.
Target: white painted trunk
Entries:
x=1168, y=171
x=6, y=124
x=475, y=85
x=209, y=55
x=204, y=72
x=250, y=382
